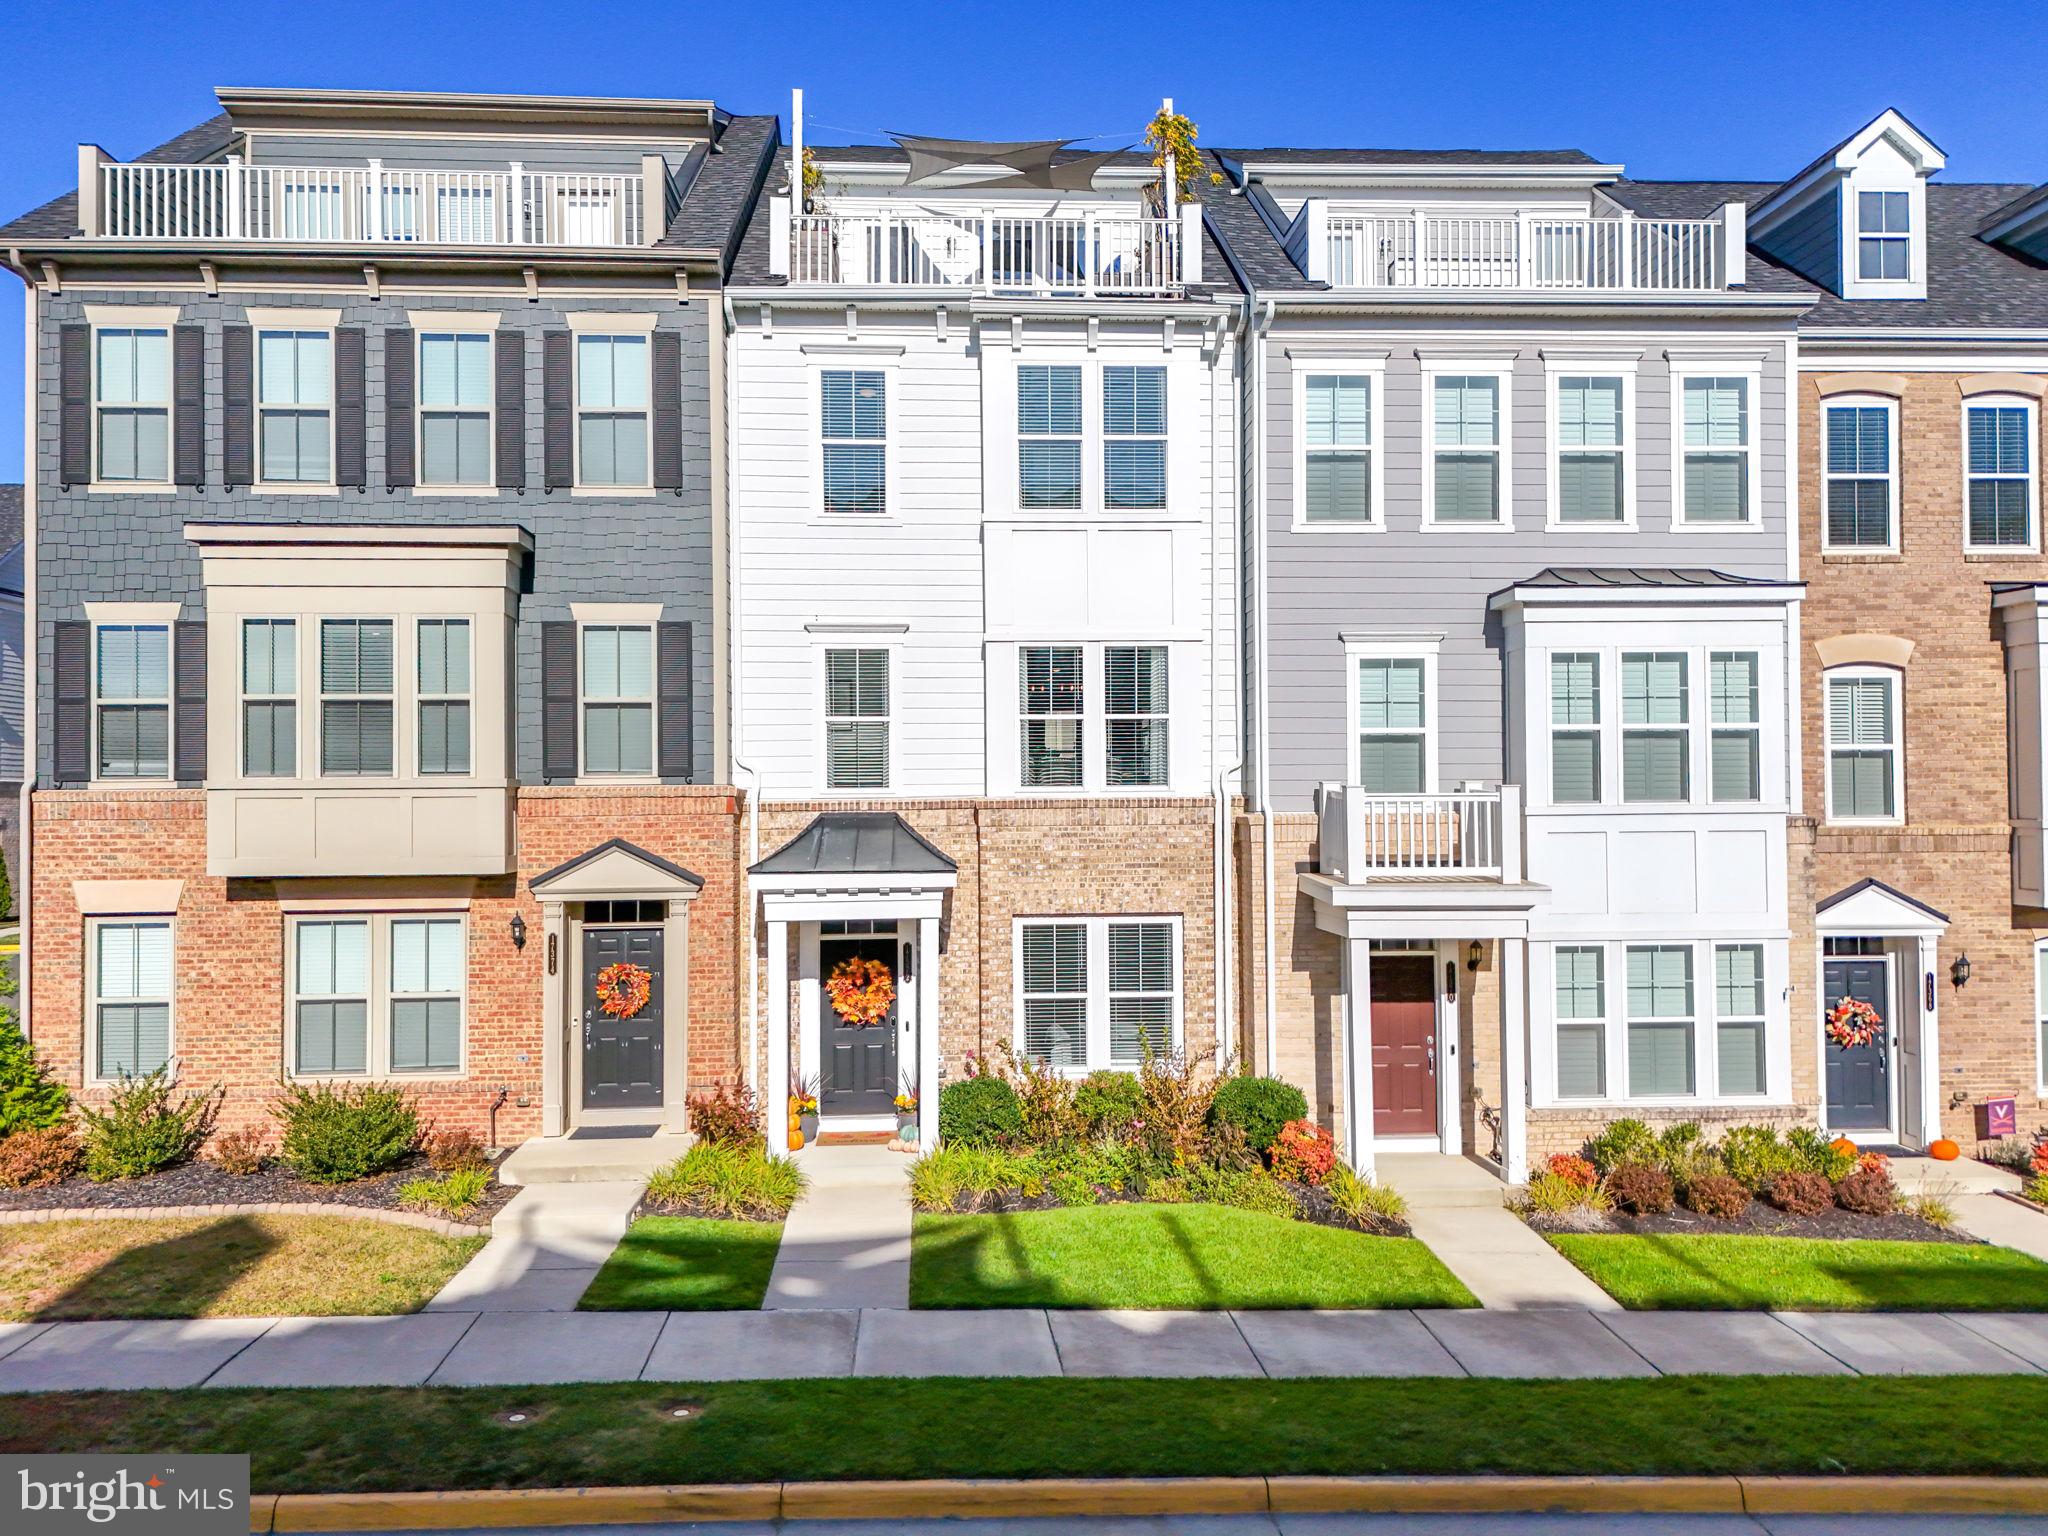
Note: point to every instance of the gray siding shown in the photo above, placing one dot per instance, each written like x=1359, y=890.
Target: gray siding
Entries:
x=462, y=154
x=632, y=549
x=1406, y=579
x=1810, y=242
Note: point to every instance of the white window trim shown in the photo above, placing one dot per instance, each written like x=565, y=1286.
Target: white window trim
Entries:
x=1701, y=1080
x=421, y=410
x=142, y=620
x=814, y=433
x=1104, y=437
x=1707, y=1070
x=625, y=618
x=857, y=640
x=93, y=999
x=1504, y=432
x=1895, y=679
x=599, y=326
x=1600, y=730
x=377, y=1024
x=401, y=659
x=1603, y=1021
x=155, y=319
x=1829, y=476
x=1374, y=372
x=243, y=698
x=1752, y=373
x=1853, y=271
x=315, y=322
x=1088, y=442
x=2033, y=480
x=1094, y=717
x=420, y=697
x=1096, y=1054
x=1420, y=648
x=1753, y=728
x=2040, y=1019
x=1554, y=370
x=1695, y=771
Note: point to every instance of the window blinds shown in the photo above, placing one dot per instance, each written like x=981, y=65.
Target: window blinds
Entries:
x=1581, y=1045
x=1049, y=435
x=1134, y=437
x=854, y=429
x=1052, y=700
x=1575, y=754
x=1660, y=1027
x=857, y=719
x=1734, y=769
x=2001, y=482
x=1467, y=415
x=1589, y=467
x=1338, y=448
x=1135, y=710
x=1055, y=987
x=1391, y=725
x=1739, y=1017
x=1654, y=763
x=133, y=964
x=1141, y=989
x=355, y=733
x=1860, y=759
x=1716, y=442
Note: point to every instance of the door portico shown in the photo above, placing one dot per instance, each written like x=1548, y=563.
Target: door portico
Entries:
x=1881, y=946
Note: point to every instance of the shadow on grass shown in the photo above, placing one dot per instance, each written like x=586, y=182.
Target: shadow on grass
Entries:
x=686, y=1264
x=179, y=1276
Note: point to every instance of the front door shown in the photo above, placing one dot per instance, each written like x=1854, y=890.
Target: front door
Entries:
x=622, y=1036
x=1404, y=1045
x=857, y=1062
x=1859, y=1078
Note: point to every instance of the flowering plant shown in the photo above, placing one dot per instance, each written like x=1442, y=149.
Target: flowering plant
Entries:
x=2037, y=1157
x=1303, y=1151
x=1574, y=1170
x=906, y=1102
x=1852, y=1022
x=623, y=989
x=861, y=990
x=1874, y=1162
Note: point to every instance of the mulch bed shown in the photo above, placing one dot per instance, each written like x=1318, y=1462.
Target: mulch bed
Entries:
x=689, y=1208
x=1762, y=1219
x=204, y=1183
x=1311, y=1204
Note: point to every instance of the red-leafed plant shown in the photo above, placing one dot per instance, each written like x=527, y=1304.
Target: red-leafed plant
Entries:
x=1574, y=1169
x=1303, y=1152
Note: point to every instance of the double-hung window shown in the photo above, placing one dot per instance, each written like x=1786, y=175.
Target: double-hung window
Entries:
x=444, y=695
x=1718, y=442
x=1049, y=435
x=132, y=403
x=1465, y=449
x=1581, y=1022
x=455, y=410
x=1337, y=448
x=132, y=675
x=1999, y=443
x=270, y=698
x=1575, y=736
x=1735, y=747
x=331, y=997
x=426, y=994
x=1053, y=702
x=1861, y=474
x=1739, y=1018
x=377, y=994
x=857, y=718
x=1143, y=991
x=1098, y=992
x=1656, y=733
x=612, y=374
x=1052, y=969
x=1660, y=1021
x=618, y=699
x=131, y=998
x=1591, y=469
x=854, y=433
x=1393, y=724
x=295, y=406
x=1134, y=727
x=1863, y=745
x=1133, y=436
x=1884, y=230
x=357, y=698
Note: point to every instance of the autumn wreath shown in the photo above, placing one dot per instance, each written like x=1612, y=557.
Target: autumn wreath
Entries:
x=623, y=989
x=861, y=991
x=1852, y=1022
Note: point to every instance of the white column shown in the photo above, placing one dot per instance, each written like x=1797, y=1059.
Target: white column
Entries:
x=775, y=1093
x=1357, y=1066
x=927, y=1032
x=554, y=1066
x=1514, y=1072
x=1930, y=1042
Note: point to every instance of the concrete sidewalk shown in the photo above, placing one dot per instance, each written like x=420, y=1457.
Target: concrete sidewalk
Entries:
x=451, y=1348
x=847, y=1242
x=1458, y=1209
x=545, y=1248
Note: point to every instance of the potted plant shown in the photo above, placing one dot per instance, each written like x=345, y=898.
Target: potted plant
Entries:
x=804, y=1104
x=906, y=1116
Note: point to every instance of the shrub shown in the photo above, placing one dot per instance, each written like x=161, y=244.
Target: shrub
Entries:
x=1173, y=1108
x=1754, y=1155
x=452, y=1194
x=1106, y=1103
x=1102, y=1165
x=1683, y=1153
x=1801, y=1192
x=1364, y=1202
x=1719, y=1195
x=1814, y=1153
x=1045, y=1101
x=980, y=1112
x=1225, y=1147
x=1246, y=1189
x=460, y=1151
x=147, y=1126
x=337, y=1132
x=30, y=1099
x=242, y=1152
x=942, y=1176
x=730, y=1111
x=1934, y=1204
x=729, y=1178
x=38, y=1155
x=1258, y=1106
x=1868, y=1192
x=1552, y=1194
x=1623, y=1141
x=1642, y=1188
x=1071, y=1189
x=1303, y=1152
x=1573, y=1169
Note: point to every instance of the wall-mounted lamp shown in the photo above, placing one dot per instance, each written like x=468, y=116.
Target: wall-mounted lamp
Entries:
x=518, y=931
x=1959, y=973
x=1474, y=954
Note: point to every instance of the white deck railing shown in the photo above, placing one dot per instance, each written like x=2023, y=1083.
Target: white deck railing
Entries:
x=989, y=252
x=1407, y=251
x=1468, y=834
x=369, y=204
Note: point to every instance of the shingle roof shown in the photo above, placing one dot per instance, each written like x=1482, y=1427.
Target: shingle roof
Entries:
x=58, y=218
x=1869, y=883
x=714, y=209
x=856, y=843
x=654, y=860
x=1408, y=156
x=1234, y=216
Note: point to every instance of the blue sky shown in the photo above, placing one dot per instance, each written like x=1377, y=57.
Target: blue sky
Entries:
x=1732, y=89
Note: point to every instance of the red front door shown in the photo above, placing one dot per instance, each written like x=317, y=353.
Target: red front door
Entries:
x=1403, y=1045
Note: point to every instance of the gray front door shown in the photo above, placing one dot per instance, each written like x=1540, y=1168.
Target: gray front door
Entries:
x=622, y=1056
x=1859, y=1078
x=857, y=1063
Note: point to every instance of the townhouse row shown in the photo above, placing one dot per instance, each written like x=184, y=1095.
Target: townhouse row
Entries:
x=561, y=602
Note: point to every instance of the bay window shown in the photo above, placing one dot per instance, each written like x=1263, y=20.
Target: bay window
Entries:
x=270, y=702
x=1735, y=745
x=444, y=702
x=1656, y=732
x=1575, y=728
x=357, y=700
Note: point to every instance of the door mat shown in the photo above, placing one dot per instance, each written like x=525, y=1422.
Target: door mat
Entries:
x=612, y=1132
x=854, y=1138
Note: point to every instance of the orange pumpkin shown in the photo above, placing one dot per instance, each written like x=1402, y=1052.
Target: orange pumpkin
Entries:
x=1845, y=1145
x=1944, y=1150
x=796, y=1139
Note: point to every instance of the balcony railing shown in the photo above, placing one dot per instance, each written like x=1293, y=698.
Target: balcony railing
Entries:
x=371, y=204
x=1520, y=252
x=1465, y=835
x=989, y=253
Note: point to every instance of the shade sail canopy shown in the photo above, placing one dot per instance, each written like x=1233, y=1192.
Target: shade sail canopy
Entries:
x=1030, y=162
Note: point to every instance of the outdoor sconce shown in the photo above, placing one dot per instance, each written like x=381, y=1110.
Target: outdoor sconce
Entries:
x=1959, y=973
x=1451, y=980
x=518, y=931
x=1474, y=955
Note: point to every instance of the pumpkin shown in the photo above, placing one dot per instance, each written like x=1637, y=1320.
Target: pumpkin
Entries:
x=1944, y=1150
x=796, y=1139
x=1844, y=1145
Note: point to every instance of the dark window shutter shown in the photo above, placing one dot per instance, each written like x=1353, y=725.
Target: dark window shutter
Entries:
x=677, y=718
x=399, y=468
x=558, y=387
x=668, y=410
x=558, y=701
x=73, y=666
x=511, y=361
x=238, y=405
x=351, y=455
x=74, y=392
x=188, y=730
x=188, y=403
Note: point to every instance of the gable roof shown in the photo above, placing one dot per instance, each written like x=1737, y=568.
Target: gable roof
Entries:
x=1891, y=891
x=615, y=845
x=712, y=215
x=856, y=843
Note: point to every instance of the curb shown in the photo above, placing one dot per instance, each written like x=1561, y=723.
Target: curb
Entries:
x=522, y=1508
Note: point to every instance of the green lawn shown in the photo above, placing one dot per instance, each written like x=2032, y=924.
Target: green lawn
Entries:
x=1645, y=1273
x=348, y=1440
x=686, y=1264
x=1197, y=1256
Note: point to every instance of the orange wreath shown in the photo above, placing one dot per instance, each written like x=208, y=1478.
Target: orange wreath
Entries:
x=623, y=989
x=861, y=991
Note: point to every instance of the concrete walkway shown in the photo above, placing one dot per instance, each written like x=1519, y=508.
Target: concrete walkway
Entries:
x=847, y=1243
x=546, y=1247
x=1458, y=1209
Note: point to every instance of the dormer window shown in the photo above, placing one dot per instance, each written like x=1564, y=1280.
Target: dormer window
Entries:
x=1884, y=234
